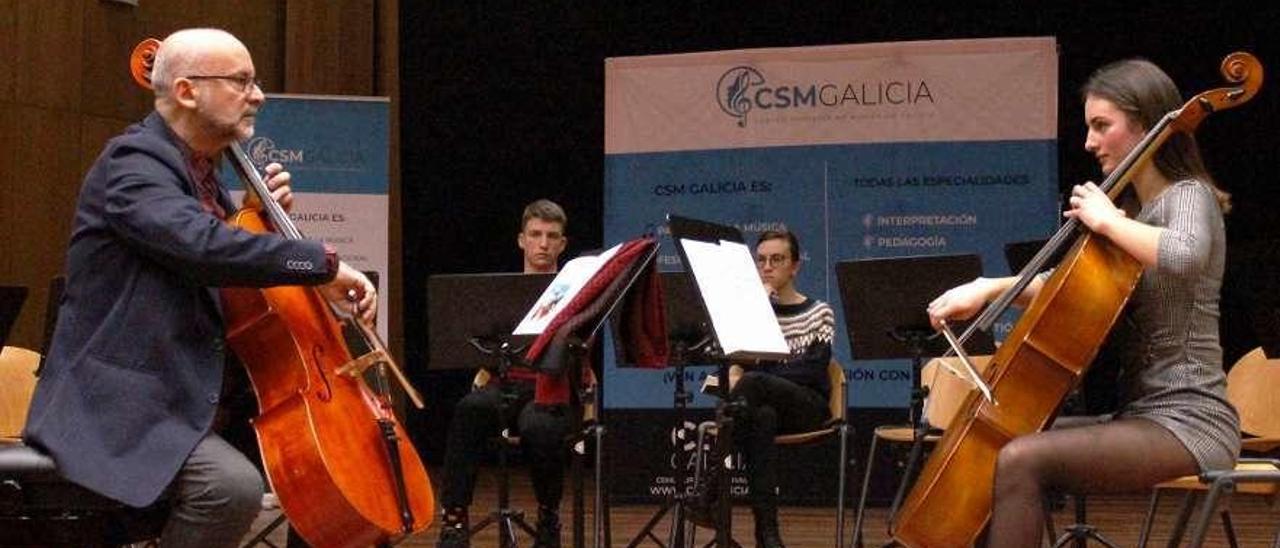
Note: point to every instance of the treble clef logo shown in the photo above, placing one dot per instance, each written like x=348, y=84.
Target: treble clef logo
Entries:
x=259, y=150
x=731, y=91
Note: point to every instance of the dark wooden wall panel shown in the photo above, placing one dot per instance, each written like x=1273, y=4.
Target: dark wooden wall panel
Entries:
x=110, y=33
x=94, y=133
x=65, y=89
x=47, y=52
x=158, y=19
x=329, y=48
x=387, y=54
x=8, y=188
x=40, y=213
x=8, y=43
x=261, y=26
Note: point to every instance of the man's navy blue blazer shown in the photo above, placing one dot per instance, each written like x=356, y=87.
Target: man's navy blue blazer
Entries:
x=134, y=371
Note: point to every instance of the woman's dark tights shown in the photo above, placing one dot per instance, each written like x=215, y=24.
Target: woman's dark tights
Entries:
x=1119, y=456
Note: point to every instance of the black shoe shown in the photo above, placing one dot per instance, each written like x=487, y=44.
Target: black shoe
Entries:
x=548, y=529
x=453, y=537
x=455, y=531
x=767, y=535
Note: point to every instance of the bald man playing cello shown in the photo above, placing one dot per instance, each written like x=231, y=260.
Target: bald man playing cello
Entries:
x=126, y=403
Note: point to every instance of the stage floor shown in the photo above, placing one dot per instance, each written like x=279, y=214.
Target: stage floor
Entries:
x=1118, y=518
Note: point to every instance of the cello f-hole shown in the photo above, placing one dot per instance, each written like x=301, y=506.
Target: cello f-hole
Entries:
x=325, y=393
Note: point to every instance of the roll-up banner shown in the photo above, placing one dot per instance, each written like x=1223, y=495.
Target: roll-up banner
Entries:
x=336, y=150
x=864, y=151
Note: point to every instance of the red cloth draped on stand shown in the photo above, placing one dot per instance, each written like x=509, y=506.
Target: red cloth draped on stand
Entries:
x=643, y=327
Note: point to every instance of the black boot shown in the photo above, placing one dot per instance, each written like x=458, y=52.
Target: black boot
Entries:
x=548, y=528
x=454, y=530
x=767, y=526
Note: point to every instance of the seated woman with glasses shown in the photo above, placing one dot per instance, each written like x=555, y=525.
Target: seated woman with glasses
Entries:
x=780, y=397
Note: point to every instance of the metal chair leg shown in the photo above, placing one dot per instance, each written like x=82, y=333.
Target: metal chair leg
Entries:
x=1149, y=520
x=913, y=461
x=1180, y=524
x=601, y=521
x=856, y=542
x=844, y=465
x=1217, y=489
x=1228, y=528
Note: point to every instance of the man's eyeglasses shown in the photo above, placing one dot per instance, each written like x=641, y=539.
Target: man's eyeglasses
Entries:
x=241, y=83
x=772, y=260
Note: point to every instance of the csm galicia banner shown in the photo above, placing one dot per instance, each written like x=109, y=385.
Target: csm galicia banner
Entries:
x=337, y=151
x=864, y=151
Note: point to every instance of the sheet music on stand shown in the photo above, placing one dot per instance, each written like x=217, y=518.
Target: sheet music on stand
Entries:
x=567, y=283
x=742, y=320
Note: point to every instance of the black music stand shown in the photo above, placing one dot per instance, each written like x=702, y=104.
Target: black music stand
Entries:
x=682, y=229
x=884, y=308
x=689, y=334
x=1018, y=254
x=57, y=286
x=11, y=299
x=493, y=305
x=1268, y=330
x=450, y=294
x=580, y=345
x=478, y=312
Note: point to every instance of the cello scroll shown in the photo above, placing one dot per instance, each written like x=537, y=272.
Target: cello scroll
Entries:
x=1239, y=68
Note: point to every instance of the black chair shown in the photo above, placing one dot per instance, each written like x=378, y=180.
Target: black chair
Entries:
x=37, y=506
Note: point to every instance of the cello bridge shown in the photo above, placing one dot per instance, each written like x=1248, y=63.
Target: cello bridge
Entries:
x=358, y=366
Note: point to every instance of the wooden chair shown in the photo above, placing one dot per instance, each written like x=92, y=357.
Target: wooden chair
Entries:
x=18, y=379
x=37, y=506
x=1253, y=387
x=837, y=424
x=947, y=392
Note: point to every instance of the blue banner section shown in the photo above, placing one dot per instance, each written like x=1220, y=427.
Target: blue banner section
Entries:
x=335, y=145
x=844, y=202
x=337, y=151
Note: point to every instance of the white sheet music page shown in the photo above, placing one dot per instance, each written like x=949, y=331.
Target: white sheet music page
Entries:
x=736, y=301
x=566, y=285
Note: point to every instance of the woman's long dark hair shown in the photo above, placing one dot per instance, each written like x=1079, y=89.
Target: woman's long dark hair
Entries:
x=1145, y=94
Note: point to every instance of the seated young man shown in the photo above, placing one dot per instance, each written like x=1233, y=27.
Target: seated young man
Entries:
x=542, y=428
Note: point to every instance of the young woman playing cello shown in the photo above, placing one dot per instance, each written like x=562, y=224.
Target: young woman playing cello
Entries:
x=1174, y=419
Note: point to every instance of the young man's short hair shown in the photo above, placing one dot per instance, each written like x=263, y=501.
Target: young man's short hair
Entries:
x=545, y=210
x=787, y=235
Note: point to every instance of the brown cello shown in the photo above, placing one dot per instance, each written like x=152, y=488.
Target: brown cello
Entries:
x=1049, y=348
x=334, y=453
